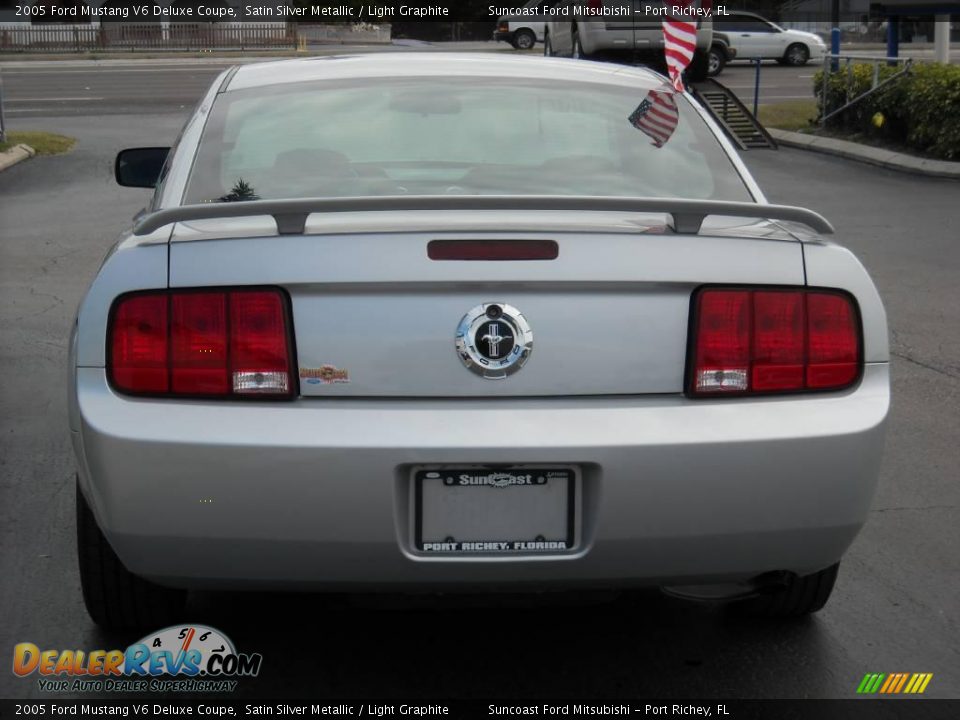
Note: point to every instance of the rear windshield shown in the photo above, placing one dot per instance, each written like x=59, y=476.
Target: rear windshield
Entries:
x=469, y=136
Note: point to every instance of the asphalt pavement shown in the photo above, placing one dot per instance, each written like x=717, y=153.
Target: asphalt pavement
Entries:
x=895, y=605
x=130, y=86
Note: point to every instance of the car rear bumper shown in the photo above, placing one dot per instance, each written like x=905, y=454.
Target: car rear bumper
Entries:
x=315, y=493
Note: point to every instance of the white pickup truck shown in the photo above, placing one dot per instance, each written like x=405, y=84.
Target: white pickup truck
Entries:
x=525, y=29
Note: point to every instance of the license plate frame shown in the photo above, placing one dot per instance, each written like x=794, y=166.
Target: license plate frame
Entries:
x=558, y=480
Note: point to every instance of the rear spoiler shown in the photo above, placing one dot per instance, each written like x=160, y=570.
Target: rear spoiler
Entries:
x=291, y=215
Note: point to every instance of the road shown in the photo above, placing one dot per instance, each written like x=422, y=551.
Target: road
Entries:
x=42, y=88
x=894, y=609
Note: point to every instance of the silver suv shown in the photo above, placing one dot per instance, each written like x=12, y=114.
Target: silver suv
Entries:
x=592, y=28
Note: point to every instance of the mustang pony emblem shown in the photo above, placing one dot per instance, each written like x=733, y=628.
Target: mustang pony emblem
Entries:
x=494, y=340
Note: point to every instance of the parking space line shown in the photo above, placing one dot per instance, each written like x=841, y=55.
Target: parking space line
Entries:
x=55, y=99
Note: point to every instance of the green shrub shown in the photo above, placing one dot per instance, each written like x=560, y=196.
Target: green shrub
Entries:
x=921, y=110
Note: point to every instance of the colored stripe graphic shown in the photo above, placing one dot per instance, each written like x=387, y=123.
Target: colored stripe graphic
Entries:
x=903, y=681
x=918, y=683
x=894, y=683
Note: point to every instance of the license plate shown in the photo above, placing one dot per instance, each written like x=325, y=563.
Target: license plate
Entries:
x=470, y=510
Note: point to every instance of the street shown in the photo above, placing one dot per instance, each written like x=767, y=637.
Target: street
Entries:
x=38, y=88
x=895, y=605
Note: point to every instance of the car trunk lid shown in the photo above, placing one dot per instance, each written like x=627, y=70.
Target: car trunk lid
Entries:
x=375, y=316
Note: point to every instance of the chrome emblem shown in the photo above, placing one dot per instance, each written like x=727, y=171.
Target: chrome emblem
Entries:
x=494, y=340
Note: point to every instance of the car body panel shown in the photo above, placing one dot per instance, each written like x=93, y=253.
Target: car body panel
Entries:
x=721, y=41
x=831, y=265
x=315, y=491
x=137, y=263
x=635, y=287
x=643, y=34
x=755, y=37
x=532, y=19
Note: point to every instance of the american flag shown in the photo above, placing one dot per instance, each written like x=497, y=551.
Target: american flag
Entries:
x=679, y=42
x=656, y=116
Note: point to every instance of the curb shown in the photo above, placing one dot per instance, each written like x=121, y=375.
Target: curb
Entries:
x=16, y=154
x=868, y=154
x=18, y=61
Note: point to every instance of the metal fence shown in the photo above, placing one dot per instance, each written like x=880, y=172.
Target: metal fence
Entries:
x=344, y=34
x=151, y=36
x=904, y=65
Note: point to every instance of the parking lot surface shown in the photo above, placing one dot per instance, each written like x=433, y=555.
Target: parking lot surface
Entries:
x=894, y=609
x=128, y=86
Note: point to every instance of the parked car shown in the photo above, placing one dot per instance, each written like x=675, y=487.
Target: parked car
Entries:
x=721, y=52
x=348, y=347
x=525, y=29
x=640, y=36
x=756, y=37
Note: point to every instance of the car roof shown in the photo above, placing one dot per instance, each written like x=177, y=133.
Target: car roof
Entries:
x=440, y=64
x=744, y=13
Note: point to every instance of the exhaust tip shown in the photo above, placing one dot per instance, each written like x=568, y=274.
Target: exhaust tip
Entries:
x=769, y=582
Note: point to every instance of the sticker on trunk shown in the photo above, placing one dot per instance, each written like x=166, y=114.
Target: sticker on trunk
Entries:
x=324, y=375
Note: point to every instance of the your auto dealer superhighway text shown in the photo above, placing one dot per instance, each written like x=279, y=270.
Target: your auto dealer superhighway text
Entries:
x=312, y=710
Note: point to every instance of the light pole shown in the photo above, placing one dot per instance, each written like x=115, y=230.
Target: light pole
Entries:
x=835, y=34
x=3, y=124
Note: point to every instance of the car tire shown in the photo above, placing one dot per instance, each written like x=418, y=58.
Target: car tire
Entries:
x=524, y=39
x=547, y=46
x=698, y=69
x=117, y=599
x=800, y=596
x=796, y=55
x=716, y=61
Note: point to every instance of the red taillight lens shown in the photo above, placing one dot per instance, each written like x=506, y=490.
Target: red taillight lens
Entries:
x=199, y=335
x=258, y=344
x=777, y=341
x=771, y=340
x=723, y=342
x=833, y=341
x=140, y=345
x=206, y=343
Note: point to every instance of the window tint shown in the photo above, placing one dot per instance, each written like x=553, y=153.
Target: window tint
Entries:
x=477, y=136
x=743, y=23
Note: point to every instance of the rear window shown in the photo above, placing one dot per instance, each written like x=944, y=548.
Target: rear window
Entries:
x=469, y=135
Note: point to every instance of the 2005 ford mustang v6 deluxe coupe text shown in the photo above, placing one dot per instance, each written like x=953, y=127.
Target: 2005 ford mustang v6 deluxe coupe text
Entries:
x=459, y=323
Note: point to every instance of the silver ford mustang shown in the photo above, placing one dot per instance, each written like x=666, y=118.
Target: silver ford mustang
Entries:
x=457, y=323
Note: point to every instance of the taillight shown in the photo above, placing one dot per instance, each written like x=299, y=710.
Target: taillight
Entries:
x=594, y=7
x=772, y=340
x=201, y=343
x=140, y=344
x=492, y=250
